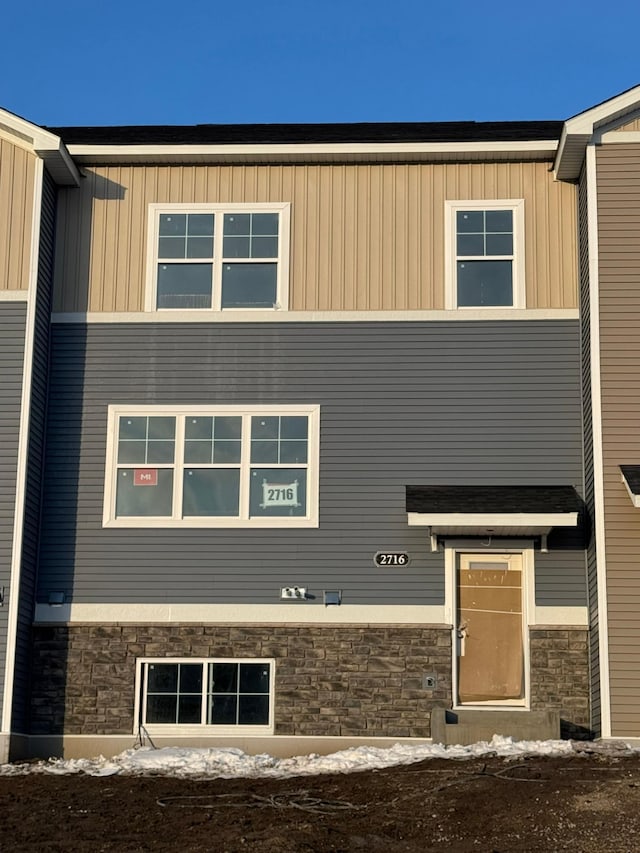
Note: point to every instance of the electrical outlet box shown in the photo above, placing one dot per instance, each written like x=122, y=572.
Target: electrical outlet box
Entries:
x=293, y=592
x=430, y=681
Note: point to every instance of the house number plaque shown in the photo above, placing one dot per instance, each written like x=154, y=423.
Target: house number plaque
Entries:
x=391, y=558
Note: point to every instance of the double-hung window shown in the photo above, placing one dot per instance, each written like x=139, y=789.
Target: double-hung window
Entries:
x=212, y=466
x=484, y=249
x=216, y=257
x=198, y=695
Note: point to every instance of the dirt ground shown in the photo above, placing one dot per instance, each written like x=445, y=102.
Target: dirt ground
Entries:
x=581, y=803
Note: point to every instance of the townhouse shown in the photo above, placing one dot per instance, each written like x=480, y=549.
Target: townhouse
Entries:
x=298, y=443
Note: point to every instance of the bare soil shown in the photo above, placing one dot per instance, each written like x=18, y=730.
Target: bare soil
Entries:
x=587, y=802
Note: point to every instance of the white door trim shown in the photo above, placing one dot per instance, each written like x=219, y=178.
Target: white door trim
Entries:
x=452, y=549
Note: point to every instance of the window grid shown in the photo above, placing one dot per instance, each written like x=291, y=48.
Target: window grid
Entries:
x=207, y=692
x=218, y=262
x=289, y=511
x=504, y=266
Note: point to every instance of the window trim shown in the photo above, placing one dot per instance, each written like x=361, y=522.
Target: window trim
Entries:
x=451, y=256
x=191, y=729
x=155, y=209
x=115, y=411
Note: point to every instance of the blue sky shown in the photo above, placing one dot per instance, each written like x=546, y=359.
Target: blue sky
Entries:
x=138, y=62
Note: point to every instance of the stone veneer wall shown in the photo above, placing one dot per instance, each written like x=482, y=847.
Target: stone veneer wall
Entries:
x=560, y=676
x=331, y=680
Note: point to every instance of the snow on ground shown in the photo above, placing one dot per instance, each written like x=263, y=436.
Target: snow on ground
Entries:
x=192, y=763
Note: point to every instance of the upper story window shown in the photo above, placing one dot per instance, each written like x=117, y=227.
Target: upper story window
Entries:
x=215, y=257
x=484, y=246
x=205, y=466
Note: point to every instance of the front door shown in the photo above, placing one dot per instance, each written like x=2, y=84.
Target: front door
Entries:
x=490, y=647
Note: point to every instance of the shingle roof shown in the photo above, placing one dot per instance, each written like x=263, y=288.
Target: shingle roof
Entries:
x=493, y=499
x=631, y=474
x=272, y=134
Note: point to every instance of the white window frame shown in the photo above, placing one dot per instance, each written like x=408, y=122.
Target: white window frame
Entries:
x=190, y=729
x=451, y=256
x=155, y=210
x=312, y=413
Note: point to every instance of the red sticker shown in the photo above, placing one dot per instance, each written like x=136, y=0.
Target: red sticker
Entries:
x=145, y=477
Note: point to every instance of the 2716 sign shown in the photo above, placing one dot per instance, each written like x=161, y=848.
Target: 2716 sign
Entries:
x=391, y=558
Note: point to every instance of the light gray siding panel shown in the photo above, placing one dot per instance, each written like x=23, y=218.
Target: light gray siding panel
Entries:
x=12, y=329
x=403, y=403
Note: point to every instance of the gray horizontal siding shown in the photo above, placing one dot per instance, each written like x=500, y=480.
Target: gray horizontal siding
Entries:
x=400, y=403
x=12, y=330
x=35, y=459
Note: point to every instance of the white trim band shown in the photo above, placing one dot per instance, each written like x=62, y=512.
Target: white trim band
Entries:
x=279, y=614
x=275, y=316
x=14, y=295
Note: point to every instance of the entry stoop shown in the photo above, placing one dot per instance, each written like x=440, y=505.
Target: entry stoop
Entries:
x=469, y=726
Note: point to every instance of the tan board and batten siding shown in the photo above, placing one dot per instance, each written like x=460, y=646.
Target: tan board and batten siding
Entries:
x=17, y=170
x=628, y=126
x=363, y=237
x=618, y=178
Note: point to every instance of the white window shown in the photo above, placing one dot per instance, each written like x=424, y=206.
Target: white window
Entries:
x=215, y=257
x=188, y=695
x=212, y=466
x=484, y=252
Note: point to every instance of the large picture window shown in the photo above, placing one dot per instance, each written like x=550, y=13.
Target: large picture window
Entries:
x=220, y=694
x=485, y=254
x=215, y=257
x=212, y=466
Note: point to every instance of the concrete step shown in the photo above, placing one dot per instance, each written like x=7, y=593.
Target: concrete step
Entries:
x=471, y=725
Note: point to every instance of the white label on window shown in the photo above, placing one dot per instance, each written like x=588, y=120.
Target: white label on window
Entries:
x=279, y=494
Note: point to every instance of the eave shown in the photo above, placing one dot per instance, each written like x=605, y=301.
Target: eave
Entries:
x=334, y=152
x=579, y=131
x=43, y=144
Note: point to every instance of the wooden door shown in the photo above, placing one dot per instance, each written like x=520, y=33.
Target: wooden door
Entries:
x=490, y=645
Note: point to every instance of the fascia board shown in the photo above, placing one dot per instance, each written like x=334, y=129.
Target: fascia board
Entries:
x=578, y=131
x=45, y=145
x=290, y=152
x=493, y=519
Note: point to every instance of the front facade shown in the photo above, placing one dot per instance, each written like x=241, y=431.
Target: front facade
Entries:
x=301, y=436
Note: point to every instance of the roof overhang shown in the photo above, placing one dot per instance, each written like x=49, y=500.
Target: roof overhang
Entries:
x=43, y=144
x=630, y=475
x=579, y=130
x=328, y=152
x=515, y=511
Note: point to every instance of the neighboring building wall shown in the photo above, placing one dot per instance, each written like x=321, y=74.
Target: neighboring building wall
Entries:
x=404, y=403
x=36, y=453
x=337, y=680
x=618, y=170
x=12, y=332
x=17, y=170
x=363, y=237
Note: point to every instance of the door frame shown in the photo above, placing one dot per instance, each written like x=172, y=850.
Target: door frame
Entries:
x=484, y=546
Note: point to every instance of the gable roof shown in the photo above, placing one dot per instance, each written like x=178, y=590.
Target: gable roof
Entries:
x=44, y=143
x=579, y=130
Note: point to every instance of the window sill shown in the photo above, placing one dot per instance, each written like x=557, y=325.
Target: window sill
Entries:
x=160, y=729
x=227, y=523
